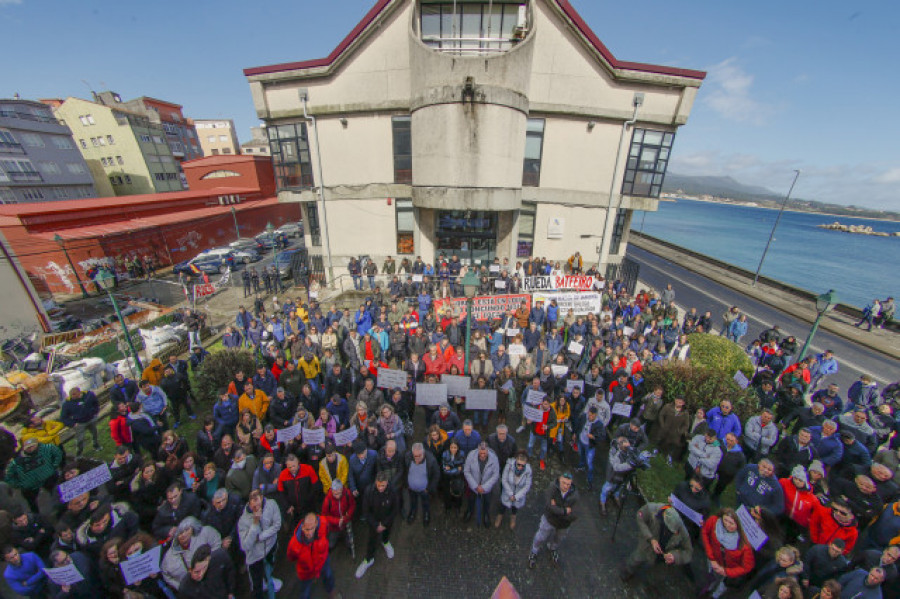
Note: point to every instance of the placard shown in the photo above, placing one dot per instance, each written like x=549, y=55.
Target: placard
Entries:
x=687, y=512
x=542, y=283
x=559, y=370
x=485, y=307
x=576, y=348
x=494, y=268
x=498, y=284
x=571, y=384
x=481, y=399
x=289, y=433
x=391, y=379
x=139, y=567
x=512, y=332
x=532, y=414
x=64, y=575
x=345, y=437
x=508, y=385
x=627, y=331
x=431, y=394
x=83, y=483
x=314, y=436
x=741, y=379
x=456, y=385
x=417, y=278
x=534, y=397
x=516, y=349
x=755, y=536
x=580, y=302
x=622, y=409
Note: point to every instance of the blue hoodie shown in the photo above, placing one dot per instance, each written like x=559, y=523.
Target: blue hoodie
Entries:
x=754, y=490
x=226, y=413
x=27, y=578
x=153, y=402
x=723, y=424
x=363, y=322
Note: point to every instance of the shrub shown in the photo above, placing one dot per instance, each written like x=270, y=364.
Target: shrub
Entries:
x=700, y=386
x=719, y=353
x=218, y=370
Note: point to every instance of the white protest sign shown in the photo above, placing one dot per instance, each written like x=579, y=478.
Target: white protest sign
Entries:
x=64, y=575
x=456, y=385
x=576, y=348
x=512, y=332
x=288, y=434
x=741, y=379
x=559, y=369
x=687, y=512
x=345, y=437
x=141, y=566
x=532, y=414
x=481, y=399
x=622, y=409
x=516, y=349
x=313, y=295
x=498, y=284
x=83, y=483
x=755, y=536
x=508, y=385
x=494, y=268
x=534, y=397
x=581, y=303
x=755, y=595
x=314, y=436
x=571, y=384
x=431, y=394
x=391, y=379
x=627, y=331
x=417, y=278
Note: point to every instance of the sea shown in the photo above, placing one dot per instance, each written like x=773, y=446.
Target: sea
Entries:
x=858, y=267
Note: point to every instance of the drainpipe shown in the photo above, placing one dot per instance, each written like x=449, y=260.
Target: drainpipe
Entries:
x=304, y=97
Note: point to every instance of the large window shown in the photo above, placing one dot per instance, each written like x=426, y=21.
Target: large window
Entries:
x=618, y=231
x=469, y=234
x=312, y=222
x=402, y=149
x=471, y=26
x=406, y=226
x=647, y=162
x=290, y=156
x=534, y=146
x=527, y=214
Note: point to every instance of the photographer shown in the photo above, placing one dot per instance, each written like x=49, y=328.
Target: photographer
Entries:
x=623, y=461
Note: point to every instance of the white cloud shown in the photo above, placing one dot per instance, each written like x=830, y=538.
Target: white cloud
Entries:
x=9, y=2
x=889, y=176
x=727, y=90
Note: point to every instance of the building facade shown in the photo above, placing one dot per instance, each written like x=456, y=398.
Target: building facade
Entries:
x=480, y=128
x=39, y=161
x=126, y=152
x=217, y=137
x=180, y=135
x=258, y=144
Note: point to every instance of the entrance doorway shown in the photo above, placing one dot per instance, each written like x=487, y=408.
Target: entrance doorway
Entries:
x=469, y=234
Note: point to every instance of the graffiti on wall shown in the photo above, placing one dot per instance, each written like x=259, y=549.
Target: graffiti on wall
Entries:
x=63, y=274
x=189, y=239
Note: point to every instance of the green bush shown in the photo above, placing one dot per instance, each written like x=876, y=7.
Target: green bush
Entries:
x=218, y=370
x=700, y=386
x=719, y=353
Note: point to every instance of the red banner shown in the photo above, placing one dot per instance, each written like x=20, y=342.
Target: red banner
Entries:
x=204, y=290
x=486, y=307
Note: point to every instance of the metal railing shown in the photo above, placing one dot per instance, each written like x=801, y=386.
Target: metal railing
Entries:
x=25, y=176
x=15, y=114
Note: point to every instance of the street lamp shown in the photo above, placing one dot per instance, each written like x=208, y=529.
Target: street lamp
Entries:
x=775, y=226
x=237, y=229
x=105, y=281
x=269, y=230
x=470, y=287
x=824, y=303
x=62, y=244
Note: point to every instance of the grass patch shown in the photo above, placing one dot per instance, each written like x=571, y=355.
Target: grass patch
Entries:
x=660, y=481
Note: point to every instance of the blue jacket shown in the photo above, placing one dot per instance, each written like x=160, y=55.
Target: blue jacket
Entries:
x=279, y=330
x=226, y=413
x=499, y=362
x=554, y=344
x=496, y=341
x=752, y=490
x=537, y=316
x=827, y=366
x=266, y=383
x=243, y=320
x=424, y=304
x=723, y=424
x=467, y=444
x=552, y=313
x=530, y=339
x=830, y=449
x=886, y=529
x=81, y=410
x=231, y=340
x=28, y=578
x=154, y=402
x=737, y=328
x=362, y=475
x=363, y=322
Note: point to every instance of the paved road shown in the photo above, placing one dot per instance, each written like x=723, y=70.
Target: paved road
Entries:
x=692, y=289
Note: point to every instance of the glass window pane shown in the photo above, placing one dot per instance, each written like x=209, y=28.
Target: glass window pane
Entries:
x=431, y=21
x=653, y=137
x=535, y=126
x=533, y=147
x=668, y=139
x=638, y=136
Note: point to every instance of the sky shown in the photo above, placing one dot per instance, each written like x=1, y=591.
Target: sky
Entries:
x=792, y=84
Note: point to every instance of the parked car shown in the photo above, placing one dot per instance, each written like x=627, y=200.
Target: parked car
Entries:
x=267, y=240
x=291, y=229
x=283, y=261
x=210, y=262
x=244, y=256
x=246, y=244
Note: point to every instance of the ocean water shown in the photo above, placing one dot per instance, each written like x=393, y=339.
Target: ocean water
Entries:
x=857, y=267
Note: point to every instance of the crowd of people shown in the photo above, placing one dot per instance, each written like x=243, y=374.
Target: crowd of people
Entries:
x=814, y=470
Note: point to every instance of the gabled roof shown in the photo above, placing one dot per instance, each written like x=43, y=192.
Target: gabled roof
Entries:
x=564, y=6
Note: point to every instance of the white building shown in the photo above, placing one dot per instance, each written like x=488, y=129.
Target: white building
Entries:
x=479, y=128
x=217, y=136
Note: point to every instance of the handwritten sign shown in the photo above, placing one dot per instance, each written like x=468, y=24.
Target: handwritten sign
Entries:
x=345, y=437
x=431, y=394
x=532, y=414
x=417, y=278
x=687, y=512
x=755, y=536
x=627, y=331
x=498, y=284
x=139, y=567
x=576, y=348
x=516, y=349
x=534, y=397
x=494, y=268
x=512, y=332
x=456, y=385
x=288, y=434
x=559, y=369
x=571, y=384
x=391, y=379
x=507, y=386
x=64, y=575
x=622, y=409
x=481, y=399
x=314, y=436
x=741, y=379
x=83, y=483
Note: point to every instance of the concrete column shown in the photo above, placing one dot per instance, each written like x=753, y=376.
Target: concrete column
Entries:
x=425, y=234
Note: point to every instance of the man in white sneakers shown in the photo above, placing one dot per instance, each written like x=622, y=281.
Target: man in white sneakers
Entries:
x=258, y=531
x=381, y=504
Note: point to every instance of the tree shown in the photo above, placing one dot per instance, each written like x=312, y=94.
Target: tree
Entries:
x=218, y=370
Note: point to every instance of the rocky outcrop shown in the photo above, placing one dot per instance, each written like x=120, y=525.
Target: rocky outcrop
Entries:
x=858, y=229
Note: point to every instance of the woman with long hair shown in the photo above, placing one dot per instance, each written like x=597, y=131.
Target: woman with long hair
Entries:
x=729, y=555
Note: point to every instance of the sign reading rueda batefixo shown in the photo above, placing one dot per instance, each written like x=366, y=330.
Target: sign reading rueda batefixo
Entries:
x=549, y=282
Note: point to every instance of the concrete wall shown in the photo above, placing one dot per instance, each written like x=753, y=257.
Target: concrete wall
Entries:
x=359, y=154
x=217, y=129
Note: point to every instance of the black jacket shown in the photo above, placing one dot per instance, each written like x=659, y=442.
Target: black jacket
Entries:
x=394, y=466
x=167, y=518
x=281, y=411
x=380, y=508
x=218, y=583
x=555, y=510
x=225, y=520
x=505, y=450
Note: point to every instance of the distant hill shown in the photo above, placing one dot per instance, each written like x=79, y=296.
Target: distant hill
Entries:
x=727, y=190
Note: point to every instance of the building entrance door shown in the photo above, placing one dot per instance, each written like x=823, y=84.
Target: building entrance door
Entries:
x=469, y=234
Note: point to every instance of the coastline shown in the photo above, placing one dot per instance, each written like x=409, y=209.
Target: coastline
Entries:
x=747, y=205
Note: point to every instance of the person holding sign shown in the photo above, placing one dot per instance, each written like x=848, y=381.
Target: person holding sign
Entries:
x=540, y=430
x=75, y=565
x=662, y=539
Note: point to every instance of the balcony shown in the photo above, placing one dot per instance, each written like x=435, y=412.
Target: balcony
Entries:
x=472, y=28
x=11, y=147
x=25, y=176
x=15, y=114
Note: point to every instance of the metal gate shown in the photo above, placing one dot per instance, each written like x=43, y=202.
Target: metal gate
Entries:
x=627, y=272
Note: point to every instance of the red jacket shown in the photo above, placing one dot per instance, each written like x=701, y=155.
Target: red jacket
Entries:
x=119, y=430
x=299, y=491
x=309, y=555
x=798, y=503
x=434, y=365
x=737, y=562
x=823, y=529
x=333, y=509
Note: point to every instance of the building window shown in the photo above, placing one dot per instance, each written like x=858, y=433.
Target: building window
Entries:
x=471, y=27
x=312, y=222
x=32, y=194
x=75, y=168
x=290, y=156
x=32, y=140
x=7, y=140
x=61, y=193
x=159, y=176
x=62, y=143
x=226, y=150
x=128, y=179
x=101, y=141
x=145, y=138
x=647, y=162
x=406, y=226
x=111, y=140
x=86, y=120
x=618, y=231
x=211, y=139
x=402, y=149
x=157, y=139
x=50, y=168
x=20, y=170
x=7, y=196
x=534, y=147
x=94, y=142
x=215, y=152
x=223, y=138
x=170, y=129
x=527, y=212
x=119, y=160
x=83, y=144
